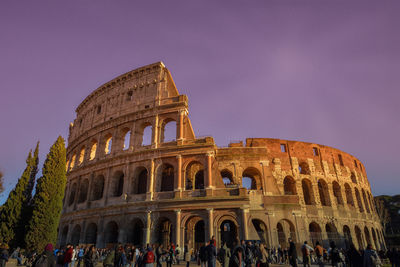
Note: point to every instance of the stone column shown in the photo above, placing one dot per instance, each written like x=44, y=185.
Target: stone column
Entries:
x=179, y=182
x=210, y=223
x=148, y=228
x=182, y=114
x=178, y=227
x=107, y=182
x=121, y=233
x=100, y=234
x=155, y=137
x=209, y=169
x=245, y=228
x=151, y=184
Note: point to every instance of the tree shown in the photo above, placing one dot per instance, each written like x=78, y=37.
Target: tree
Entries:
x=383, y=213
x=11, y=211
x=47, y=202
x=1, y=183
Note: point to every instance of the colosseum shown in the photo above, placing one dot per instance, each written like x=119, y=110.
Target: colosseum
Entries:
x=136, y=173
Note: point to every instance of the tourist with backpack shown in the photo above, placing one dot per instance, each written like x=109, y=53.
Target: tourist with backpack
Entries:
x=292, y=253
x=149, y=257
x=334, y=255
x=203, y=256
x=224, y=254
x=371, y=258
x=46, y=259
x=188, y=255
x=211, y=252
x=306, y=251
x=319, y=253
x=236, y=259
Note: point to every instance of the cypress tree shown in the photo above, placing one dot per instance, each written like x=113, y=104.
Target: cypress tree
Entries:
x=47, y=202
x=12, y=209
x=1, y=183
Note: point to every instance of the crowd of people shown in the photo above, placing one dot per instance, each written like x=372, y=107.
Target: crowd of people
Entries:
x=238, y=254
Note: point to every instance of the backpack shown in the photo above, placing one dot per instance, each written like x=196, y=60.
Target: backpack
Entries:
x=41, y=261
x=149, y=257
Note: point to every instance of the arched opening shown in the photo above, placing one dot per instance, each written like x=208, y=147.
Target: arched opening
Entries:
x=251, y=178
x=194, y=176
x=261, y=230
x=337, y=192
x=228, y=232
x=227, y=178
x=195, y=233
x=168, y=131
x=349, y=195
x=135, y=233
x=353, y=178
x=83, y=191
x=332, y=233
x=117, y=186
x=98, y=188
x=323, y=193
x=285, y=229
x=365, y=201
x=72, y=194
x=308, y=192
x=140, y=181
x=367, y=236
x=111, y=234
x=127, y=139
x=199, y=234
x=164, y=232
x=64, y=235
x=289, y=186
x=360, y=206
x=108, y=144
x=76, y=234
x=167, y=178
x=315, y=233
x=81, y=155
x=91, y=234
x=347, y=236
x=304, y=168
x=93, y=149
x=146, y=136
x=72, y=164
x=359, y=237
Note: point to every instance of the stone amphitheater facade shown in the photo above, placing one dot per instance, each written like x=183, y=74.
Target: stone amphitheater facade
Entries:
x=129, y=181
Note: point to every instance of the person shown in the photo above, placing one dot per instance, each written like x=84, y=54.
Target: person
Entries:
x=263, y=257
x=68, y=255
x=46, y=259
x=170, y=256
x=211, y=252
x=354, y=256
x=203, y=256
x=90, y=257
x=3, y=255
x=371, y=258
x=159, y=253
x=334, y=255
x=236, y=259
x=188, y=255
x=224, y=255
x=319, y=252
x=149, y=257
x=109, y=259
x=123, y=262
x=80, y=255
x=292, y=253
x=178, y=253
x=248, y=259
x=306, y=250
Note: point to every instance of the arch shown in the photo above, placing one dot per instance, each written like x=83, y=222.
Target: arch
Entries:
x=195, y=235
x=227, y=177
x=324, y=193
x=367, y=236
x=315, y=233
x=72, y=194
x=347, y=236
x=359, y=237
x=358, y=197
x=251, y=179
x=164, y=232
x=83, y=191
x=304, y=168
x=194, y=176
x=108, y=144
x=289, y=186
x=146, y=135
x=199, y=233
x=332, y=233
x=127, y=139
x=91, y=234
x=72, y=164
x=167, y=178
x=285, y=229
x=81, y=155
x=64, y=235
x=117, y=185
x=139, y=184
x=349, y=195
x=111, y=233
x=98, y=188
x=93, y=149
x=229, y=232
x=135, y=232
x=308, y=192
x=261, y=230
x=76, y=234
x=337, y=192
x=366, y=204
x=168, y=131
x=353, y=178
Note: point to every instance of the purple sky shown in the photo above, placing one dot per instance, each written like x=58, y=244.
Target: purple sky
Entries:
x=319, y=71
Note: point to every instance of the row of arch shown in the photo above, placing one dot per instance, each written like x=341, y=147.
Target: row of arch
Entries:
x=290, y=188
x=144, y=137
